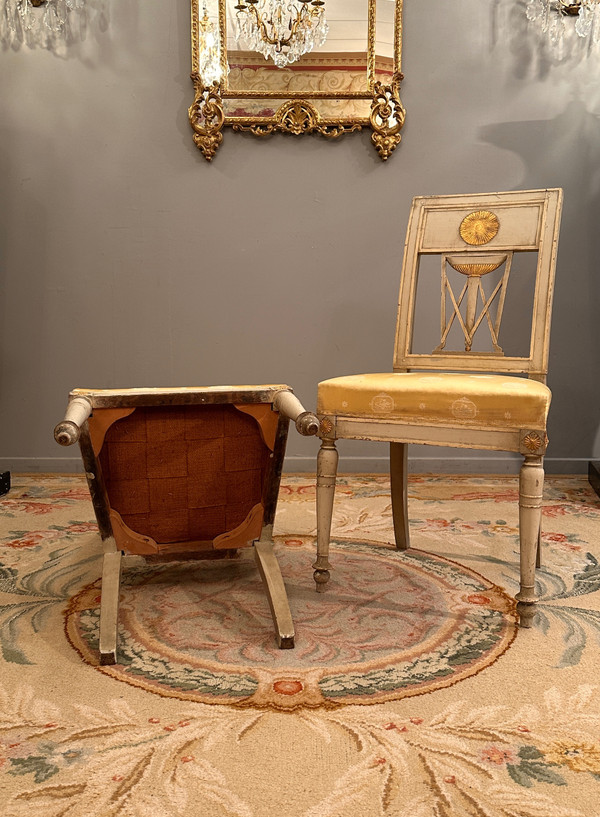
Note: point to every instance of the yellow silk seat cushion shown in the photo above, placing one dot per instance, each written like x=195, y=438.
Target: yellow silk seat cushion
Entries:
x=436, y=398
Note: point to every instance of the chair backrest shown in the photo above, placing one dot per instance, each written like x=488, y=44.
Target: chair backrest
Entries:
x=476, y=235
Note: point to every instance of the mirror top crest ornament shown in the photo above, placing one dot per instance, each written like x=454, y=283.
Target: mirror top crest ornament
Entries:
x=326, y=67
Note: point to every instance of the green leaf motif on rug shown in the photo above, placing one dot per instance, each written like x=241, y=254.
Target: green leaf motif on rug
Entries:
x=39, y=592
x=525, y=774
x=34, y=764
x=532, y=768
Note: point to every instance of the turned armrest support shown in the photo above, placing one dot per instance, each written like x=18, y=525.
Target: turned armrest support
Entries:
x=288, y=404
x=67, y=431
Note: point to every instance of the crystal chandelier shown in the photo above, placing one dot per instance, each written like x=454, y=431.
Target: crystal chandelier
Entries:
x=209, y=51
x=281, y=29
x=552, y=13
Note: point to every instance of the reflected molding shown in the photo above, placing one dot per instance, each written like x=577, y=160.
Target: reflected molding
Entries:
x=345, y=93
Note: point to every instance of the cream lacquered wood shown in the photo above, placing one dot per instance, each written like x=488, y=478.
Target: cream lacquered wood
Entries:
x=526, y=221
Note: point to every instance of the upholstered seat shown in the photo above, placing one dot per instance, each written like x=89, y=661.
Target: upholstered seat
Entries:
x=441, y=398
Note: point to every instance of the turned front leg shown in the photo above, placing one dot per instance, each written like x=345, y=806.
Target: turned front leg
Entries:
x=327, y=461
x=531, y=487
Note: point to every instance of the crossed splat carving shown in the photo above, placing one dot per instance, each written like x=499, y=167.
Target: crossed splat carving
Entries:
x=474, y=267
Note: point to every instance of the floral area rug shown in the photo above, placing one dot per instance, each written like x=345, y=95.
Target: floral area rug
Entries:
x=411, y=692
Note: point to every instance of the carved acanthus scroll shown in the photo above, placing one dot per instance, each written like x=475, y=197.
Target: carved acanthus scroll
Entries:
x=387, y=117
x=207, y=118
x=297, y=117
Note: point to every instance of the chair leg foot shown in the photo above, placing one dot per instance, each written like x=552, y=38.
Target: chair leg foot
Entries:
x=270, y=572
x=526, y=613
x=321, y=578
x=109, y=606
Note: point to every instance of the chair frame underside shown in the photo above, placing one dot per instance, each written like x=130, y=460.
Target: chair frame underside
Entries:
x=82, y=404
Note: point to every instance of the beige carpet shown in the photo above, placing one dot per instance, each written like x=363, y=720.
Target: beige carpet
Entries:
x=410, y=692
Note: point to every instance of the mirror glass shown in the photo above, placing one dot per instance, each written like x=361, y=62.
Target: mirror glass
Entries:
x=340, y=64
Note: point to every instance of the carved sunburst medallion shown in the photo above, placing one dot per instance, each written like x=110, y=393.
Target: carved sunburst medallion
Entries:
x=532, y=441
x=326, y=426
x=479, y=227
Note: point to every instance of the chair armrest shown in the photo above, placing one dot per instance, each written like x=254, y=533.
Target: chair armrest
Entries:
x=288, y=404
x=67, y=432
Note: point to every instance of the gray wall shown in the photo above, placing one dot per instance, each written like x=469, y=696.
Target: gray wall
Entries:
x=127, y=260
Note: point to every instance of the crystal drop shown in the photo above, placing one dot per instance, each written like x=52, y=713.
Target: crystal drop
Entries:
x=557, y=30
x=584, y=20
x=596, y=26
x=26, y=14
x=534, y=10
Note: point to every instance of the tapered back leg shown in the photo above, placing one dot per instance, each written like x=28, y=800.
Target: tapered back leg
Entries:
x=399, y=489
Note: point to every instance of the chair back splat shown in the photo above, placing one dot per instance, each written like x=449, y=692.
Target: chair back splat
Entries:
x=477, y=236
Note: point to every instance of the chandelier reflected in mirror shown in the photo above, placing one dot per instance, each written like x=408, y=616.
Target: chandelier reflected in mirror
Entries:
x=282, y=30
x=553, y=16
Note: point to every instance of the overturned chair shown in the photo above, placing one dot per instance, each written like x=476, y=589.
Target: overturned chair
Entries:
x=467, y=392
x=184, y=472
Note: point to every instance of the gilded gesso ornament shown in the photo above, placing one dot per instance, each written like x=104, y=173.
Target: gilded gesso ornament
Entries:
x=296, y=117
x=480, y=227
x=326, y=426
x=474, y=269
x=387, y=117
x=533, y=442
x=206, y=118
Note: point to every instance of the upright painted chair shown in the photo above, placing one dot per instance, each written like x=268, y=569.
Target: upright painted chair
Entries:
x=465, y=398
x=175, y=472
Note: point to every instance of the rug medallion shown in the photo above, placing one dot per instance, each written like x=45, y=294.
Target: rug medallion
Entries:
x=390, y=625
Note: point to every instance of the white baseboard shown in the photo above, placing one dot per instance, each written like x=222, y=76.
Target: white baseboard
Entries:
x=42, y=465
x=505, y=464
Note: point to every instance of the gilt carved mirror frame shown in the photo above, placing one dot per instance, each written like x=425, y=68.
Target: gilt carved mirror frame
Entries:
x=344, y=91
